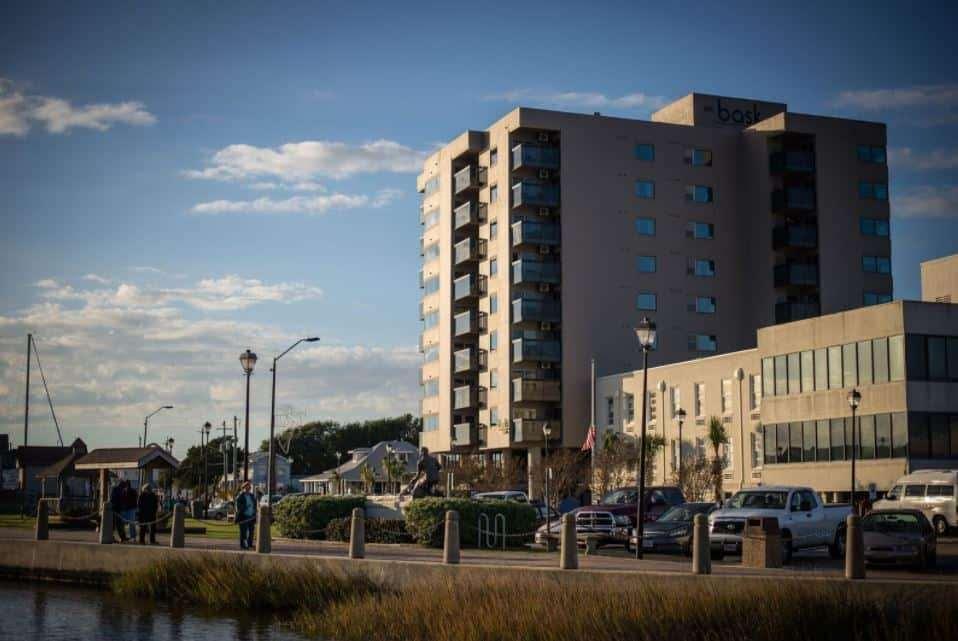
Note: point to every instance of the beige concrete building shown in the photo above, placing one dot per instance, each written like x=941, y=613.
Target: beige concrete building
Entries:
x=784, y=403
x=547, y=236
x=939, y=280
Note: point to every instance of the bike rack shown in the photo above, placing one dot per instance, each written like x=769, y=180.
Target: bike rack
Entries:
x=492, y=535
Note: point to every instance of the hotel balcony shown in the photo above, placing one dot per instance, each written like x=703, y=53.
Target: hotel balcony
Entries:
x=796, y=274
x=525, y=271
x=468, y=287
x=528, y=349
x=536, y=311
x=470, y=177
x=527, y=232
x=526, y=390
x=534, y=194
x=792, y=161
x=788, y=312
x=470, y=359
x=469, y=323
x=469, y=215
x=527, y=430
x=465, y=435
x=526, y=155
x=795, y=237
x=469, y=250
x=793, y=200
x=468, y=397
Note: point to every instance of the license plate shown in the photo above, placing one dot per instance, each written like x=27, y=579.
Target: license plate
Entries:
x=647, y=545
x=729, y=547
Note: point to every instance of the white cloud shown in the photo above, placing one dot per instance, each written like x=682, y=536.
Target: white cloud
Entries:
x=95, y=278
x=298, y=204
x=306, y=185
x=927, y=201
x=47, y=283
x=944, y=95
x=18, y=111
x=301, y=162
x=580, y=100
x=936, y=159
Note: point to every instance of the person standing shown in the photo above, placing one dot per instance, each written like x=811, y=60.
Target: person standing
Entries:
x=246, y=515
x=129, y=508
x=117, y=502
x=428, y=468
x=146, y=509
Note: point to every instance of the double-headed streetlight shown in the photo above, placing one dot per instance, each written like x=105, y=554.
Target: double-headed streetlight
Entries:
x=248, y=361
x=854, y=399
x=680, y=417
x=271, y=472
x=146, y=421
x=645, y=332
x=546, y=433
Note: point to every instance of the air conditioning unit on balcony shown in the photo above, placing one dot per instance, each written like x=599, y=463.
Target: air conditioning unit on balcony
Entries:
x=544, y=211
x=544, y=174
x=545, y=326
x=545, y=287
x=544, y=249
x=543, y=136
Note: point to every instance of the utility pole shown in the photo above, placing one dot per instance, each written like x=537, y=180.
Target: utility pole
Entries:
x=26, y=406
x=235, y=450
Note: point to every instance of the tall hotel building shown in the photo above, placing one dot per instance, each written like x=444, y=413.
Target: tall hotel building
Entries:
x=547, y=236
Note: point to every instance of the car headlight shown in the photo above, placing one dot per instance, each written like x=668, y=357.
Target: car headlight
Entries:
x=621, y=519
x=679, y=531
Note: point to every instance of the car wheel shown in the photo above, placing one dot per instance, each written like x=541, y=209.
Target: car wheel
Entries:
x=941, y=525
x=837, y=549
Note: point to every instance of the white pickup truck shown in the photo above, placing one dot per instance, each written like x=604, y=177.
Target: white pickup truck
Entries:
x=804, y=522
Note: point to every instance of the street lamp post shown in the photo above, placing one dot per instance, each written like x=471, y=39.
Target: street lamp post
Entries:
x=645, y=333
x=680, y=416
x=854, y=399
x=206, y=468
x=248, y=361
x=546, y=433
x=271, y=470
x=169, y=445
x=146, y=421
x=339, y=459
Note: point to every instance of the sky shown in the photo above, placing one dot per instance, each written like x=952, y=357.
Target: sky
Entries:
x=182, y=181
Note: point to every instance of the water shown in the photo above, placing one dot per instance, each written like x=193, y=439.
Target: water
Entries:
x=53, y=612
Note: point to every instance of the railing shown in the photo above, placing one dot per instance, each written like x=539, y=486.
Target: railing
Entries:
x=465, y=397
x=535, y=156
x=526, y=349
x=787, y=312
x=797, y=161
x=528, y=390
x=464, y=435
x=535, y=271
x=531, y=309
x=793, y=198
x=465, y=360
x=469, y=286
x=470, y=322
x=801, y=236
x=469, y=249
x=534, y=233
x=470, y=177
x=529, y=193
x=796, y=274
x=470, y=213
x=528, y=430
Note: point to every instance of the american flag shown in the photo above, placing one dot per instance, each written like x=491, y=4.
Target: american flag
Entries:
x=589, y=439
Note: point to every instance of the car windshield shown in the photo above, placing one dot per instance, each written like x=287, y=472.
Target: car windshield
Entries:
x=892, y=523
x=619, y=497
x=760, y=500
x=677, y=513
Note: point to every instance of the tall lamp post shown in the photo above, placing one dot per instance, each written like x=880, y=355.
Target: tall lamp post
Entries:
x=169, y=445
x=645, y=332
x=680, y=417
x=546, y=433
x=206, y=468
x=146, y=421
x=854, y=399
x=271, y=471
x=248, y=361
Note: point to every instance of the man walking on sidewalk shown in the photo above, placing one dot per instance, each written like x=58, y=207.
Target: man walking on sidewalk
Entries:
x=146, y=507
x=246, y=516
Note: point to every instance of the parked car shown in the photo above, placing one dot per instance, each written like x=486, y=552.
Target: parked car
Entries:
x=672, y=532
x=612, y=519
x=899, y=536
x=504, y=495
x=542, y=511
x=931, y=491
x=221, y=510
x=804, y=522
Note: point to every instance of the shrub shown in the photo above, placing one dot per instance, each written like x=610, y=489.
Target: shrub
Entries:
x=307, y=516
x=425, y=519
x=377, y=530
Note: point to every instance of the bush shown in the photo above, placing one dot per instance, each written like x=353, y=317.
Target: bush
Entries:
x=425, y=519
x=306, y=517
x=377, y=530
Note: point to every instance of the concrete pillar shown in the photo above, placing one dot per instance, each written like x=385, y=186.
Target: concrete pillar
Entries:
x=569, y=553
x=701, y=547
x=450, y=547
x=357, y=534
x=264, y=542
x=854, y=548
x=534, y=462
x=104, y=488
x=106, y=524
x=43, y=526
x=178, y=529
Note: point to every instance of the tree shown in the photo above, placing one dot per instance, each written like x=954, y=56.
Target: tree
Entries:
x=717, y=437
x=614, y=462
x=190, y=473
x=653, y=445
x=368, y=477
x=569, y=472
x=393, y=470
x=695, y=481
x=479, y=474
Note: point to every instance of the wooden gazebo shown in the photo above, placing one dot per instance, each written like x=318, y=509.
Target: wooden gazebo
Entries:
x=145, y=459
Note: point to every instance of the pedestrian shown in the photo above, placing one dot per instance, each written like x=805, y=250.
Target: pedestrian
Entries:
x=129, y=508
x=146, y=509
x=246, y=515
x=117, y=498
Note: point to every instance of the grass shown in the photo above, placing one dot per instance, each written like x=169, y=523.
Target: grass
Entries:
x=545, y=607
x=16, y=521
x=214, y=529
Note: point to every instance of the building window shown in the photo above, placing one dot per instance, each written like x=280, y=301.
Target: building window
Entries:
x=431, y=186
x=872, y=153
x=755, y=392
x=430, y=422
x=675, y=396
x=493, y=266
x=431, y=284
x=875, y=298
x=698, y=400
x=645, y=151
x=610, y=411
x=493, y=157
x=430, y=218
x=698, y=193
x=703, y=343
x=698, y=157
x=705, y=304
x=808, y=371
x=493, y=303
x=493, y=379
x=850, y=365
x=645, y=226
x=494, y=193
x=704, y=267
x=430, y=388
x=873, y=226
x=822, y=441
x=493, y=229
x=493, y=340
x=793, y=361
x=650, y=406
x=493, y=416
x=646, y=264
x=768, y=376
x=865, y=363
x=431, y=354
x=630, y=408
x=431, y=319
x=781, y=375
x=896, y=358
x=645, y=189
x=646, y=302
x=701, y=231
x=821, y=369
x=876, y=264
x=873, y=191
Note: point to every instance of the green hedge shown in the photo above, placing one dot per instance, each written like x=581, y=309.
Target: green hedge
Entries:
x=425, y=518
x=377, y=530
x=307, y=516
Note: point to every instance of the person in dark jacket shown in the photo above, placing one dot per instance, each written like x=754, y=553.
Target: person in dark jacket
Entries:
x=117, y=501
x=130, y=499
x=246, y=515
x=146, y=508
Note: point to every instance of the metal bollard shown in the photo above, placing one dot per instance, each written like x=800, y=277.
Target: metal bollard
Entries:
x=450, y=546
x=43, y=521
x=854, y=548
x=357, y=534
x=178, y=529
x=264, y=542
x=569, y=552
x=106, y=524
x=701, y=552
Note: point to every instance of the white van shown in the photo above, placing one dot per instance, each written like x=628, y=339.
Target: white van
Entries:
x=931, y=491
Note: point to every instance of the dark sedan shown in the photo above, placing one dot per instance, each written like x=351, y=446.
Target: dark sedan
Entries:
x=899, y=537
x=672, y=532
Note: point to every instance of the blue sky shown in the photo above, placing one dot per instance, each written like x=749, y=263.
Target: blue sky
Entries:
x=184, y=180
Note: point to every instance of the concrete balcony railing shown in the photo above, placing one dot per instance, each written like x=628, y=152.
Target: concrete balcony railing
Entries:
x=468, y=287
x=465, y=435
x=469, y=250
x=526, y=271
x=469, y=323
x=468, y=215
x=471, y=177
x=471, y=359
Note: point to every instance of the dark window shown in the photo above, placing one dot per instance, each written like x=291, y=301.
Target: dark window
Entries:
x=899, y=435
x=493, y=157
x=646, y=264
x=698, y=157
x=835, y=367
x=914, y=490
x=941, y=490
x=873, y=227
x=704, y=267
x=698, y=193
x=821, y=369
x=794, y=374
x=883, y=436
x=837, y=439
x=880, y=360
x=644, y=151
x=702, y=231
x=915, y=357
x=822, y=449
x=808, y=443
x=646, y=302
x=918, y=442
x=705, y=304
x=866, y=434
x=865, y=363
x=938, y=427
x=782, y=438
x=954, y=434
x=896, y=358
x=849, y=360
x=770, y=455
x=645, y=189
x=645, y=226
x=937, y=358
x=808, y=372
x=795, y=443
x=781, y=375
x=953, y=358
x=768, y=377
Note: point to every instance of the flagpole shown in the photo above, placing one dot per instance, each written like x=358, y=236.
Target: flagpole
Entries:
x=592, y=429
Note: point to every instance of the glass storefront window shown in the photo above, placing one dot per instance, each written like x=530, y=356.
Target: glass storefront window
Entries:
x=866, y=434
x=899, y=435
x=883, y=436
x=938, y=429
x=837, y=439
x=849, y=360
x=918, y=441
x=794, y=374
x=835, y=367
x=821, y=370
x=768, y=377
x=880, y=360
x=770, y=454
x=795, y=443
x=782, y=438
x=823, y=452
x=781, y=376
x=896, y=358
x=865, y=363
x=808, y=432
x=808, y=372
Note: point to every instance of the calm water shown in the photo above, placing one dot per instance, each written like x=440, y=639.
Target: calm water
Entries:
x=54, y=612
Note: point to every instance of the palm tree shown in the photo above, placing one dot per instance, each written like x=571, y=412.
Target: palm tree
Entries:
x=337, y=481
x=368, y=477
x=393, y=468
x=718, y=437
